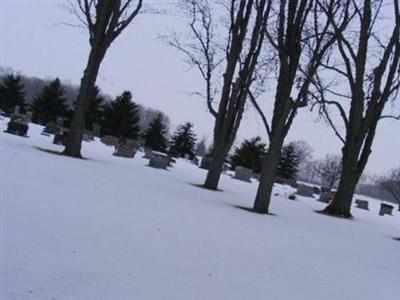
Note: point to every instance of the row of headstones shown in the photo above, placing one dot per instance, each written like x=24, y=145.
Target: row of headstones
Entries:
x=326, y=196
x=128, y=148
x=241, y=173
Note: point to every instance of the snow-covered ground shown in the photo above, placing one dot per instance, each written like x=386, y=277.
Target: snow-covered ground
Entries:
x=110, y=228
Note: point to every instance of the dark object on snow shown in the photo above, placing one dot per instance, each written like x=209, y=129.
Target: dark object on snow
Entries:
x=317, y=190
x=61, y=138
x=292, y=197
x=110, y=140
x=325, y=189
x=205, y=163
x=243, y=174
x=18, y=125
x=125, y=151
x=159, y=160
x=362, y=204
x=386, y=209
x=305, y=190
x=17, y=128
x=325, y=197
x=51, y=128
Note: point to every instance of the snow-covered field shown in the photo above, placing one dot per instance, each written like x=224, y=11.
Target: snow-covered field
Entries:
x=110, y=228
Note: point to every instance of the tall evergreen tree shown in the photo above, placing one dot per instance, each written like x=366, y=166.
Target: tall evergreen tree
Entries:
x=95, y=111
x=121, y=117
x=155, y=135
x=12, y=93
x=183, y=142
x=288, y=164
x=49, y=103
x=249, y=154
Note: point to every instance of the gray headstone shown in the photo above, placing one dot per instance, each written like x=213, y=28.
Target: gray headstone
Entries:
x=325, y=197
x=205, y=163
x=386, y=209
x=125, y=151
x=243, y=174
x=362, y=204
x=159, y=161
x=305, y=190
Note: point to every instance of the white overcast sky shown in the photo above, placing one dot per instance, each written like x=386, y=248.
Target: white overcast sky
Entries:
x=35, y=43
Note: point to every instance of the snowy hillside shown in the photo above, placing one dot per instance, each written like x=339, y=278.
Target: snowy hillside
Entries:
x=110, y=228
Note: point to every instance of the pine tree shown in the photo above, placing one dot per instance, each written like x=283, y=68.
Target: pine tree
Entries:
x=12, y=94
x=288, y=164
x=183, y=141
x=95, y=109
x=249, y=154
x=155, y=135
x=121, y=117
x=49, y=103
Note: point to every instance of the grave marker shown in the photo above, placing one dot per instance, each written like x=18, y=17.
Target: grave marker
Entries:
x=243, y=174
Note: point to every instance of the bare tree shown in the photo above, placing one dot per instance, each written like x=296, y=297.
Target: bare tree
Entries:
x=238, y=60
x=368, y=61
x=329, y=169
x=391, y=184
x=200, y=45
x=302, y=39
x=303, y=151
x=105, y=20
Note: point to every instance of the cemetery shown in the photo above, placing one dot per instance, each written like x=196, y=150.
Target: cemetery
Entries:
x=164, y=195
x=232, y=149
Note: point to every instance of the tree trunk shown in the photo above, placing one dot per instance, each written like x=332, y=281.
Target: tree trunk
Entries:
x=216, y=166
x=77, y=128
x=269, y=168
x=341, y=204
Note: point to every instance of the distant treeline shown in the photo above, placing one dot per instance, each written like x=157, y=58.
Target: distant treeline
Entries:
x=34, y=85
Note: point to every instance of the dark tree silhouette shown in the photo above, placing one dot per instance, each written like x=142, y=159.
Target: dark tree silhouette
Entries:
x=301, y=38
x=155, y=135
x=12, y=93
x=239, y=58
x=369, y=69
x=105, y=20
x=288, y=163
x=49, y=104
x=95, y=111
x=183, y=142
x=121, y=117
x=249, y=154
